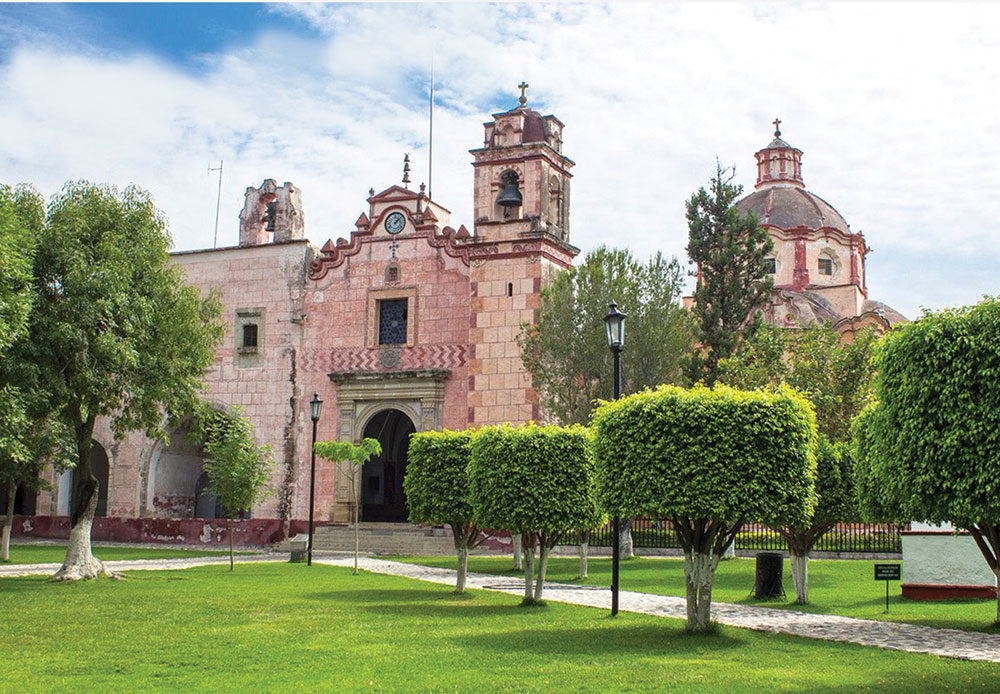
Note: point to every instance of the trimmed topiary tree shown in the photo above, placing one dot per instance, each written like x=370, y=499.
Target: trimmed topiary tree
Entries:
x=930, y=449
x=835, y=503
x=710, y=460
x=437, y=489
x=538, y=481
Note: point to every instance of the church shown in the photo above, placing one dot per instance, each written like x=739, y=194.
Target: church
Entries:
x=405, y=324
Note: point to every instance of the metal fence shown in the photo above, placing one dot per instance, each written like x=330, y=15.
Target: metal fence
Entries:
x=866, y=538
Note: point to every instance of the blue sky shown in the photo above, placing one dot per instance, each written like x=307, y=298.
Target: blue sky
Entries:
x=893, y=105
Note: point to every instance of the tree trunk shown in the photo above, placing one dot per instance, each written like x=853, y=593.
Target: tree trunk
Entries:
x=584, y=551
x=528, y=546
x=625, y=539
x=516, y=540
x=460, y=535
x=357, y=515
x=80, y=561
x=231, y=562
x=8, y=523
x=699, y=571
x=800, y=576
x=543, y=560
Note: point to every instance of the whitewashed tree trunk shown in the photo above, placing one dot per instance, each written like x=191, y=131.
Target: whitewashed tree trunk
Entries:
x=80, y=562
x=699, y=572
x=584, y=552
x=463, y=564
x=529, y=567
x=543, y=560
x=8, y=523
x=357, y=514
x=231, y=553
x=516, y=540
x=625, y=539
x=800, y=576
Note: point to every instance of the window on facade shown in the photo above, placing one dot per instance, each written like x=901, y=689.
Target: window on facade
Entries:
x=392, y=315
x=770, y=266
x=249, y=337
x=825, y=266
x=392, y=274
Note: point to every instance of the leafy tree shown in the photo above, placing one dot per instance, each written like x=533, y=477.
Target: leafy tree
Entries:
x=709, y=460
x=537, y=481
x=566, y=352
x=930, y=448
x=729, y=249
x=437, y=489
x=357, y=455
x=237, y=466
x=114, y=332
x=838, y=378
x=21, y=216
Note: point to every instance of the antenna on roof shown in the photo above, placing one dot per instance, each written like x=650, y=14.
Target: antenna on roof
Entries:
x=430, y=137
x=218, y=199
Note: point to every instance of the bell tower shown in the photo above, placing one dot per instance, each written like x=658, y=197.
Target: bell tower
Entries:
x=521, y=176
x=521, y=241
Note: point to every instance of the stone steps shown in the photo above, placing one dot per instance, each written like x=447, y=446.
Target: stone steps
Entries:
x=381, y=538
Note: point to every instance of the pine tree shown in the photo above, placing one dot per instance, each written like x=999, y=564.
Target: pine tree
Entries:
x=728, y=248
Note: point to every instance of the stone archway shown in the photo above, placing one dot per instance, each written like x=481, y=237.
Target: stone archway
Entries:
x=382, y=497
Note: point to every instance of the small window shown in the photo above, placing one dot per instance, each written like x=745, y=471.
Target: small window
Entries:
x=825, y=266
x=392, y=274
x=770, y=266
x=510, y=289
x=249, y=337
x=392, y=315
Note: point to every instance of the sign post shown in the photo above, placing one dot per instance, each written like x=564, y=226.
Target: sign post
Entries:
x=887, y=572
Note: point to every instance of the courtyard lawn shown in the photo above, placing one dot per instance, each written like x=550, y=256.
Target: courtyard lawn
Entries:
x=43, y=554
x=836, y=586
x=289, y=627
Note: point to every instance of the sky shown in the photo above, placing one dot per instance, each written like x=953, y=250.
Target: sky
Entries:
x=894, y=105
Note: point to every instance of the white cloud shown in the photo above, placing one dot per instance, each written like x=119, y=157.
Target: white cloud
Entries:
x=894, y=106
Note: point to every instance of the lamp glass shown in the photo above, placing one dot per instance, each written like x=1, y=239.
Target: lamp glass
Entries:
x=615, y=323
x=315, y=407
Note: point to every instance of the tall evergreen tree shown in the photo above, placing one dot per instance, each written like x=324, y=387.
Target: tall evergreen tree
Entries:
x=729, y=249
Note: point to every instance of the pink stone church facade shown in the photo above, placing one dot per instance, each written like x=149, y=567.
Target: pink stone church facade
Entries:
x=407, y=324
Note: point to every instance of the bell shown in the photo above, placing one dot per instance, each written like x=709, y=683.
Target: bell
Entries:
x=270, y=215
x=510, y=196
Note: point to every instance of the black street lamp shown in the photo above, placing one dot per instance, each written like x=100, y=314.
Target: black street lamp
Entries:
x=615, y=322
x=315, y=408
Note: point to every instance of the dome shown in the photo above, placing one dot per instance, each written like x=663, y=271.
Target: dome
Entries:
x=790, y=207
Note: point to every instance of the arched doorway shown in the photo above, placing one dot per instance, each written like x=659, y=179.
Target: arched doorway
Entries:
x=382, y=496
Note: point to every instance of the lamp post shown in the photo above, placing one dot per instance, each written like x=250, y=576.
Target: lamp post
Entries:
x=615, y=323
x=315, y=408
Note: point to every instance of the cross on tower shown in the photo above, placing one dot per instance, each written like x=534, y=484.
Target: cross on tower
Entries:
x=393, y=245
x=777, y=130
x=522, y=99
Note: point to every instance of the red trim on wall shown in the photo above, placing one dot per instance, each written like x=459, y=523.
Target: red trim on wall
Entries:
x=201, y=532
x=934, y=591
x=800, y=275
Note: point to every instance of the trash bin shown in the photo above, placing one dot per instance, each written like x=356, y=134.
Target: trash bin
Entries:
x=768, y=579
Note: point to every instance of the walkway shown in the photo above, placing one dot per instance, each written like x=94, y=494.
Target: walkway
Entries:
x=951, y=643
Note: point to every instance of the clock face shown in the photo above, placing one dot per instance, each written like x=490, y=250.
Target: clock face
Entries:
x=395, y=222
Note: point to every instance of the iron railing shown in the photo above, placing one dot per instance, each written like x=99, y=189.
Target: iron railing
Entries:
x=848, y=538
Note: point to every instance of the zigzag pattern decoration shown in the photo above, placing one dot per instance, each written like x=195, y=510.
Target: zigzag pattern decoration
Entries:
x=439, y=356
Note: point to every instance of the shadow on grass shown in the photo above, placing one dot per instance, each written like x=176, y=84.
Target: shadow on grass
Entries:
x=648, y=640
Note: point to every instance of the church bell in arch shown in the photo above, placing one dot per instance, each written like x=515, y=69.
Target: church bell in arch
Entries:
x=510, y=196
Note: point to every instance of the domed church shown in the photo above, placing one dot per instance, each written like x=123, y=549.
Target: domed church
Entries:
x=818, y=263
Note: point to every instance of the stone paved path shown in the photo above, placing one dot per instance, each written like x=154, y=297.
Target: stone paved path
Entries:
x=951, y=643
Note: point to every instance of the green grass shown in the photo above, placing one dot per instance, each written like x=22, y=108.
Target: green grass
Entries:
x=42, y=554
x=836, y=586
x=289, y=627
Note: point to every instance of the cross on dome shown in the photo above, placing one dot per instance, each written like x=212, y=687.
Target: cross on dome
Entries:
x=777, y=130
x=522, y=99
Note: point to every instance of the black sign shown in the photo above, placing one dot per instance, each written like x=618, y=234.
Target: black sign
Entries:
x=887, y=572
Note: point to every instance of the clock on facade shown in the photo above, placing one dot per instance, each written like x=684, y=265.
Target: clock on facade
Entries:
x=395, y=222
